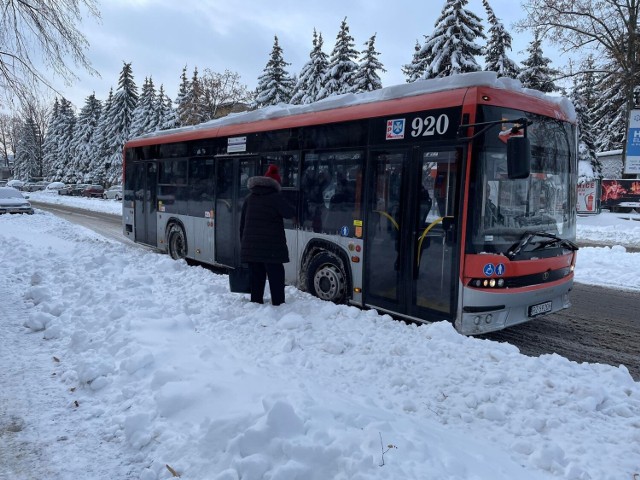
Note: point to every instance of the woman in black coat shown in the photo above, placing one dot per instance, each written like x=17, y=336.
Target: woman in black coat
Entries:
x=263, y=244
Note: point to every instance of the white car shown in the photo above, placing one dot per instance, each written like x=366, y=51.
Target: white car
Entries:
x=13, y=201
x=53, y=187
x=15, y=184
x=115, y=192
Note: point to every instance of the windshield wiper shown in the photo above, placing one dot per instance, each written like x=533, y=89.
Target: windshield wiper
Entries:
x=527, y=238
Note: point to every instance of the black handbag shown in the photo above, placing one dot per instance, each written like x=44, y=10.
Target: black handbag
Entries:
x=240, y=279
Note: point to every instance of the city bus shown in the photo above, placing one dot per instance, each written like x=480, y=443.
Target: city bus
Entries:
x=448, y=199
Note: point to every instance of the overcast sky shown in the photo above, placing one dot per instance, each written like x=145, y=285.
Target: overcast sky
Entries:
x=160, y=37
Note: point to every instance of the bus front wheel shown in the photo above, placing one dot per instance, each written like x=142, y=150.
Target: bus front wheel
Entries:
x=177, y=242
x=326, y=278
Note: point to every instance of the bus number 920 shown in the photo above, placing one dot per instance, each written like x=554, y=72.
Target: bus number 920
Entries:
x=428, y=126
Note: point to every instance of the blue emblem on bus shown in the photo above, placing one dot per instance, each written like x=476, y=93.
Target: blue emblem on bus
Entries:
x=500, y=269
x=395, y=129
x=344, y=231
x=488, y=269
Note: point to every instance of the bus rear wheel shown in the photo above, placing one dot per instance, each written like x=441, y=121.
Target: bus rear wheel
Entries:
x=177, y=242
x=326, y=278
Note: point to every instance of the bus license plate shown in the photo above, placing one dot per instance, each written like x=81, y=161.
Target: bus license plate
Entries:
x=539, y=309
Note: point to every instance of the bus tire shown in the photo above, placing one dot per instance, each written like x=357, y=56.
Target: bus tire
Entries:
x=326, y=278
x=177, y=242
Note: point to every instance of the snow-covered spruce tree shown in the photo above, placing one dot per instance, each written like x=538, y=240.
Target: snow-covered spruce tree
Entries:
x=414, y=70
x=191, y=106
x=28, y=155
x=50, y=145
x=83, y=135
x=312, y=75
x=452, y=47
x=366, y=78
x=65, y=164
x=181, y=99
x=536, y=72
x=120, y=116
x=166, y=114
x=275, y=85
x=145, y=117
x=496, y=58
x=342, y=68
x=610, y=113
x=100, y=143
x=584, y=98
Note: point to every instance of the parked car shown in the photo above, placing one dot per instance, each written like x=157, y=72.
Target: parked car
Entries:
x=54, y=187
x=13, y=201
x=17, y=184
x=72, y=189
x=66, y=189
x=34, y=186
x=115, y=192
x=93, y=191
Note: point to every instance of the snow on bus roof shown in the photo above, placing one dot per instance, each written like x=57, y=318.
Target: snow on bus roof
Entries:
x=453, y=82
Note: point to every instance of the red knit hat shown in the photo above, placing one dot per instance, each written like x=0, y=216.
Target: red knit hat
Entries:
x=272, y=172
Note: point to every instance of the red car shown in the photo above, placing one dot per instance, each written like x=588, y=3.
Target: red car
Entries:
x=93, y=191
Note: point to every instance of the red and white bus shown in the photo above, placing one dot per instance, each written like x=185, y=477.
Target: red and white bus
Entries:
x=450, y=199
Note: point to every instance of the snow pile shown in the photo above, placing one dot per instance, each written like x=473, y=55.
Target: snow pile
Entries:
x=160, y=362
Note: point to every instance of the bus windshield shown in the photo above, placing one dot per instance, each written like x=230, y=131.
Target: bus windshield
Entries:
x=503, y=210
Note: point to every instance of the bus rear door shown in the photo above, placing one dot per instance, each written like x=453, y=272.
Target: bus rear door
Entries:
x=232, y=174
x=145, y=202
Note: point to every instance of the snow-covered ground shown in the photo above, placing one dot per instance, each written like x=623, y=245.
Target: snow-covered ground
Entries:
x=121, y=363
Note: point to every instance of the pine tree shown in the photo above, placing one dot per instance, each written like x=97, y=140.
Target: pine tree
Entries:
x=496, y=59
x=100, y=142
x=274, y=85
x=584, y=98
x=28, y=154
x=83, y=135
x=64, y=164
x=367, y=78
x=120, y=116
x=451, y=48
x=50, y=146
x=312, y=75
x=192, y=103
x=536, y=73
x=610, y=113
x=166, y=114
x=342, y=65
x=181, y=99
x=414, y=70
x=145, y=117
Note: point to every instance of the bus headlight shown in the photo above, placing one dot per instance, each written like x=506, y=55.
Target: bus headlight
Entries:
x=488, y=282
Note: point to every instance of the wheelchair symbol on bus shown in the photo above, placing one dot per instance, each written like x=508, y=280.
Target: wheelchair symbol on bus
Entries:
x=489, y=269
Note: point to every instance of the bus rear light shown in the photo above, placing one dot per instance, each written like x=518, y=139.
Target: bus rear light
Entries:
x=355, y=259
x=358, y=248
x=357, y=290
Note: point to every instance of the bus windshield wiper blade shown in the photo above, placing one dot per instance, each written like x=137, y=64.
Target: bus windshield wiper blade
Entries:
x=527, y=237
x=558, y=241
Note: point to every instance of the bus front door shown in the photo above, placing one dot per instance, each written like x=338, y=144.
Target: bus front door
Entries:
x=145, y=205
x=410, y=240
x=232, y=174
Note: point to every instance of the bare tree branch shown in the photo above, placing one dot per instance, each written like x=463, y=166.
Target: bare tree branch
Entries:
x=41, y=32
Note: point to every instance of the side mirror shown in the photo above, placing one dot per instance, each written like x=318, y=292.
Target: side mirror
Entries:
x=518, y=157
